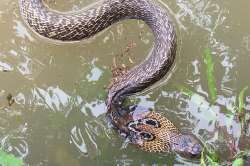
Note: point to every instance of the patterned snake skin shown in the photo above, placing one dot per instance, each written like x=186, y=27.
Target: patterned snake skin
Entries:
x=151, y=131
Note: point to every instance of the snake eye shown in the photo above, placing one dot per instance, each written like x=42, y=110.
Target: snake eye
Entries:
x=147, y=136
x=152, y=122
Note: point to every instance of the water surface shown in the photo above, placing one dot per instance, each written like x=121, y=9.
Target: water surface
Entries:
x=58, y=117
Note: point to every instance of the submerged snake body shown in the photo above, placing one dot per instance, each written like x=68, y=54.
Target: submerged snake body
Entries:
x=150, y=131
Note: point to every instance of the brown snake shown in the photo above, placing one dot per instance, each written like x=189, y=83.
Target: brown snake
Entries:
x=148, y=130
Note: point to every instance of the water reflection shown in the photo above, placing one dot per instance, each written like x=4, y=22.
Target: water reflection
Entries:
x=14, y=141
x=95, y=74
x=22, y=32
x=78, y=140
x=5, y=67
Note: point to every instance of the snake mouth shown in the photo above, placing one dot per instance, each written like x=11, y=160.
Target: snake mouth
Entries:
x=188, y=146
x=191, y=154
x=188, y=154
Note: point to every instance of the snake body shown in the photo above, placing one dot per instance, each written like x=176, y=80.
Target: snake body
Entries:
x=148, y=130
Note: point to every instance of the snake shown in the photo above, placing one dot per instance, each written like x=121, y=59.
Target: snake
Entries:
x=148, y=130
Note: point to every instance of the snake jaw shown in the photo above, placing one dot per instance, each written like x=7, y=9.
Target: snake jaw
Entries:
x=187, y=146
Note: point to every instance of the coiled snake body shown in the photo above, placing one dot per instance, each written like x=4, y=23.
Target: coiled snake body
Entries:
x=148, y=130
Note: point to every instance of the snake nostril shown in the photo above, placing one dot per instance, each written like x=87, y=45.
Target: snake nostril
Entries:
x=196, y=151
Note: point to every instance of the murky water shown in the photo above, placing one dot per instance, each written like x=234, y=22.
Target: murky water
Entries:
x=58, y=117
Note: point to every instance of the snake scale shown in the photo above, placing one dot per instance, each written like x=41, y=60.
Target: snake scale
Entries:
x=148, y=130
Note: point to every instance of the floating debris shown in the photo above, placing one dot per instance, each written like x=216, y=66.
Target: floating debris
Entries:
x=130, y=46
x=10, y=99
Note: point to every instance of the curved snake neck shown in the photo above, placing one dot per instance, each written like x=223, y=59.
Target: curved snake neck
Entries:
x=150, y=131
x=83, y=24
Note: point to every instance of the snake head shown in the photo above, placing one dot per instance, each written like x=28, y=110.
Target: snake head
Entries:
x=187, y=146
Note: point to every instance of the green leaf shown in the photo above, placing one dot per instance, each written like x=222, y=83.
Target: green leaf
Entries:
x=202, y=160
x=227, y=112
x=207, y=57
x=211, y=158
x=214, y=156
x=185, y=91
x=212, y=162
x=241, y=111
x=238, y=162
x=242, y=154
x=241, y=99
x=9, y=159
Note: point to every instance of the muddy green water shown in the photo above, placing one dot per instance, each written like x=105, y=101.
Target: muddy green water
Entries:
x=58, y=118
